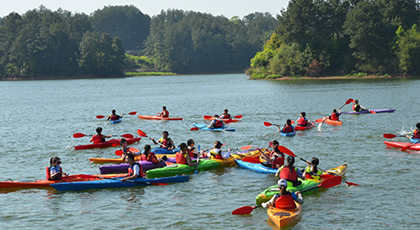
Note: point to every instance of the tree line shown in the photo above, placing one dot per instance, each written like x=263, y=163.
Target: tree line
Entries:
x=339, y=37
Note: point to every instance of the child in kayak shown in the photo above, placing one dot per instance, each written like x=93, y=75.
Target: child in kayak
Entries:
x=150, y=156
x=98, y=137
x=216, y=152
x=216, y=122
x=225, y=114
x=165, y=141
x=335, y=115
x=164, y=113
x=114, y=116
x=273, y=158
x=183, y=156
x=357, y=107
x=284, y=199
x=312, y=171
x=191, y=148
x=289, y=172
x=416, y=132
x=124, y=148
x=287, y=128
x=302, y=121
x=135, y=169
x=55, y=171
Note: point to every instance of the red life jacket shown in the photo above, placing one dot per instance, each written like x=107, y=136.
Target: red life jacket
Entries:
x=97, y=138
x=288, y=174
x=167, y=143
x=218, y=124
x=131, y=171
x=416, y=134
x=278, y=161
x=226, y=116
x=165, y=113
x=287, y=129
x=180, y=159
x=302, y=121
x=285, y=202
x=334, y=116
x=114, y=117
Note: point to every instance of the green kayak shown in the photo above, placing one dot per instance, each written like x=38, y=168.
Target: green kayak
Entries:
x=267, y=194
x=178, y=169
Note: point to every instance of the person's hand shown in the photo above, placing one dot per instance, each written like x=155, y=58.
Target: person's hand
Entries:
x=297, y=193
x=123, y=179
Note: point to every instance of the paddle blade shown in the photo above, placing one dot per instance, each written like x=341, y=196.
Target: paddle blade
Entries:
x=127, y=135
x=207, y=117
x=100, y=116
x=320, y=120
x=141, y=133
x=286, y=150
x=243, y=210
x=389, y=135
x=194, y=129
x=330, y=182
x=350, y=183
x=78, y=135
x=407, y=147
x=238, y=116
x=350, y=100
x=159, y=183
x=267, y=123
x=372, y=112
x=293, y=122
x=251, y=160
x=247, y=147
x=119, y=152
x=132, y=113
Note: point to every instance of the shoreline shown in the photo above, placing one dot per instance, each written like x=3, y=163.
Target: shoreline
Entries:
x=341, y=78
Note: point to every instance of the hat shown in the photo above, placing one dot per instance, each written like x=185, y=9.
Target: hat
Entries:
x=282, y=182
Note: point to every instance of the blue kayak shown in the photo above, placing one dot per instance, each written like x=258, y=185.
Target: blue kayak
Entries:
x=414, y=140
x=116, y=121
x=116, y=183
x=204, y=127
x=288, y=134
x=256, y=167
x=165, y=151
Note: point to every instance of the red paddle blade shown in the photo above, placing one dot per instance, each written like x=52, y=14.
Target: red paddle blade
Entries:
x=293, y=122
x=228, y=121
x=407, y=147
x=127, y=135
x=160, y=184
x=389, y=135
x=133, y=150
x=247, y=147
x=267, y=123
x=350, y=100
x=238, y=116
x=331, y=182
x=119, y=152
x=100, y=116
x=194, y=129
x=350, y=183
x=251, y=160
x=319, y=120
x=372, y=112
x=132, y=113
x=286, y=150
x=243, y=210
x=141, y=133
x=207, y=117
x=78, y=135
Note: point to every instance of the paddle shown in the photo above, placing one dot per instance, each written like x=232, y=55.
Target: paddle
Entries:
x=251, y=160
x=246, y=147
x=390, y=135
x=79, y=135
x=119, y=152
x=327, y=183
x=130, y=113
x=269, y=124
x=143, y=134
x=350, y=100
x=409, y=146
x=289, y=152
x=194, y=129
x=207, y=117
x=198, y=158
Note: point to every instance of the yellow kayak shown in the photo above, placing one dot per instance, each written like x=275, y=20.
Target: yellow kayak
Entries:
x=339, y=170
x=282, y=217
x=225, y=162
x=239, y=156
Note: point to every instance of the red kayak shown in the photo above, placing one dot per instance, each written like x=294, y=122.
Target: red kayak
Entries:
x=109, y=143
x=402, y=145
x=151, y=117
x=310, y=126
x=329, y=121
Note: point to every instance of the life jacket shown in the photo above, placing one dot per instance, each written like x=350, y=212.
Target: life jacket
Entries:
x=225, y=116
x=167, y=143
x=191, y=151
x=216, y=153
x=165, y=113
x=285, y=201
x=98, y=138
x=356, y=108
x=131, y=171
x=302, y=121
x=279, y=160
x=313, y=175
x=416, y=134
x=114, y=117
x=48, y=171
x=180, y=159
x=286, y=173
x=334, y=116
x=218, y=123
x=287, y=129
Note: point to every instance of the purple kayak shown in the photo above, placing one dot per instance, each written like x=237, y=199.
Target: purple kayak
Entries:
x=123, y=168
x=368, y=111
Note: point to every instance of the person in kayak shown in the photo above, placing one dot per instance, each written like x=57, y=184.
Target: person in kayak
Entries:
x=164, y=113
x=150, y=156
x=312, y=171
x=183, y=156
x=335, y=115
x=225, y=114
x=55, y=172
x=285, y=199
x=191, y=148
x=216, y=152
x=135, y=169
x=274, y=158
x=289, y=172
x=124, y=147
x=165, y=141
x=357, y=107
x=416, y=132
x=98, y=137
x=216, y=123
x=302, y=121
x=114, y=116
x=287, y=128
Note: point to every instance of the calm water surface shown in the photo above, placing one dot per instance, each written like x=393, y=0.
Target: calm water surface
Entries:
x=39, y=118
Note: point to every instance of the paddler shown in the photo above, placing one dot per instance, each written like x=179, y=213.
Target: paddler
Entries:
x=114, y=116
x=183, y=156
x=225, y=114
x=335, y=115
x=357, y=107
x=135, y=169
x=216, y=122
x=150, y=156
x=164, y=113
x=416, y=132
x=285, y=199
x=124, y=148
x=275, y=158
x=289, y=172
x=191, y=148
x=55, y=172
x=302, y=121
x=312, y=171
x=287, y=128
x=216, y=152
x=165, y=141
x=98, y=137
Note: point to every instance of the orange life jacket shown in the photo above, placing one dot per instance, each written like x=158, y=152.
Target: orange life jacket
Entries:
x=180, y=159
x=131, y=171
x=334, y=116
x=288, y=174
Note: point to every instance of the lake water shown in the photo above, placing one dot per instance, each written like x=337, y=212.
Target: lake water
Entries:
x=39, y=118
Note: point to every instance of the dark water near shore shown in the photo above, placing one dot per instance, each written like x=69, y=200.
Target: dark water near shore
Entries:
x=39, y=118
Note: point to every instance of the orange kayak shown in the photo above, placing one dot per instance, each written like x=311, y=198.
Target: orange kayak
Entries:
x=282, y=217
x=154, y=117
x=329, y=121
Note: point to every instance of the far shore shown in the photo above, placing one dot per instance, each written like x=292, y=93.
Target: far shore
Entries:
x=342, y=77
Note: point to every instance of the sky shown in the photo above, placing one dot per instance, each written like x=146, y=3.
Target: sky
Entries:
x=227, y=8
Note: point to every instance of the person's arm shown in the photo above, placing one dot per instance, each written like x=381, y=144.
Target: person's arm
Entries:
x=269, y=203
x=153, y=158
x=211, y=123
x=298, y=197
x=154, y=142
x=172, y=145
x=122, y=114
x=109, y=117
x=189, y=162
x=135, y=174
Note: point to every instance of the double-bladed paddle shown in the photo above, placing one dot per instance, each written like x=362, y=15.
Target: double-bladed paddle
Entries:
x=79, y=135
x=269, y=124
x=207, y=117
x=350, y=100
x=119, y=152
x=390, y=135
x=130, y=113
x=143, y=134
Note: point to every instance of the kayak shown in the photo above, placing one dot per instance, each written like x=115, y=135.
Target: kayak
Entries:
x=283, y=217
x=123, y=168
x=310, y=126
x=115, y=183
x=154, y=117
x=116, y=121
x=106, y=144
x=268, y=193
x=332, y=122
x=241, y=155
x=160, y=152
x=414, y=140
x=177, y=169
x=402, y=145
x=257, y=167
x=204, y=127
x=225, y=162
x=288, y=134
x=224, y=120
x=368, y=111
x=164, y=151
